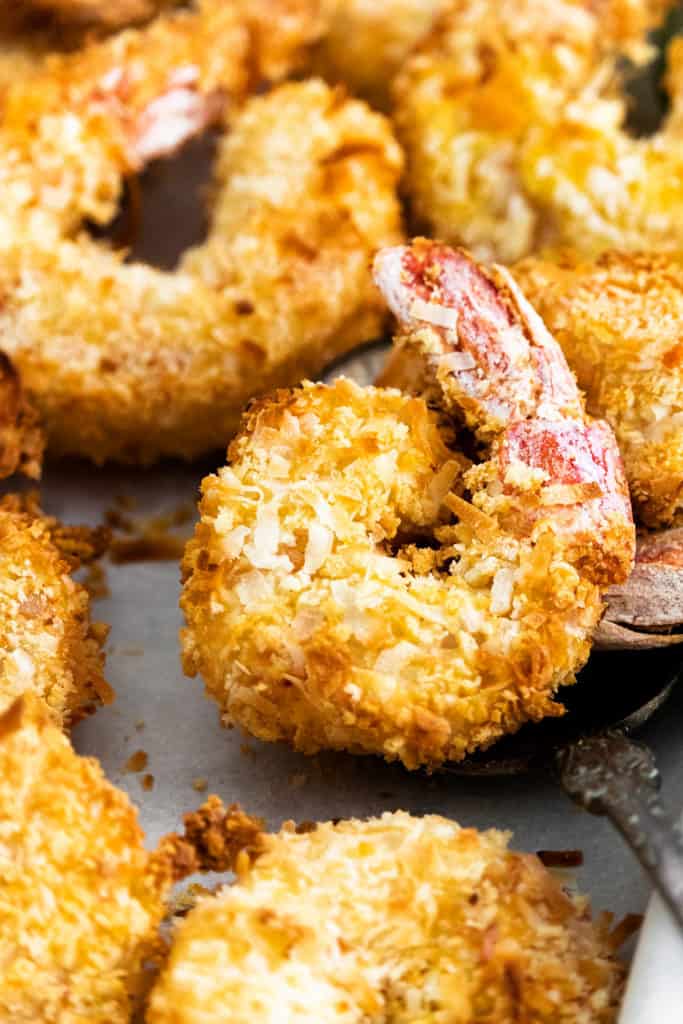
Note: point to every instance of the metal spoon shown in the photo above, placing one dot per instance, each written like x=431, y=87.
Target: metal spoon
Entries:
x=597, y=763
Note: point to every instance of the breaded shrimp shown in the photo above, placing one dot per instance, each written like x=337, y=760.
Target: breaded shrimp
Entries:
x=395, y=918
x=131, y=363
x=21, y=437
x=512, y=122
x=332, y=601
x=619, y=320
x=79, y=903
x=365, y=42
x=80, y=897
x=48, y=645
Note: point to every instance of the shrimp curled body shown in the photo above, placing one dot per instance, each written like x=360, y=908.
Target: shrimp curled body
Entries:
x=515, y=132
x=128, y=362
x=354, y=582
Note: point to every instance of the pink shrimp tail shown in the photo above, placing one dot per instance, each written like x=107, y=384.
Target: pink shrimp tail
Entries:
x=498, y=365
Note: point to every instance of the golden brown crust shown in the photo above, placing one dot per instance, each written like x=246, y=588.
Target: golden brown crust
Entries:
x=79, y=905
x=21, y=438
x=394, y=918
x=279, y=288
x=49, y=645
x=618, y=319
x=512, y=121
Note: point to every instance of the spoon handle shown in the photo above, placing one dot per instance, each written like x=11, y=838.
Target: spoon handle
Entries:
x=613, y=775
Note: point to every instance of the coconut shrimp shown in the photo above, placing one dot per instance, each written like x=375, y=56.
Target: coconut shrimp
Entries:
x=619, y=320
x=49, y=645
x=396, y=918
x=513, y=126
x=81, y=899
x=355, y=583
x=279, y=288
x=365, y=42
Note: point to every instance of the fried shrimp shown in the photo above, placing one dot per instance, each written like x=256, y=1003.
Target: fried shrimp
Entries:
x=619, y=321
x=513, y=126
x=79, y=901
x=331, y=599
x=48, y=644
x=280, y=286
x=396, y=918
x=365, y=42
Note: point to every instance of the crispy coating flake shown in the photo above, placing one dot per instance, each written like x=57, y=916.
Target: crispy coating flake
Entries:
x=392, y=919
x=21, y=438
x=279, y=288
x=365, y=42
x=331, y=599
x=80, y=898
x=49, y=646
x=512, y=121
x=619, y=320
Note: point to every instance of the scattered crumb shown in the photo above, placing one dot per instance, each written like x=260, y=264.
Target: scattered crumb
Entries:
x=126, y=501
x=385, y=795
x=297, y=779
x=139, y=726
x=561, y=858
x=137, y=762
x=625, y=929
x=95, y=582
x=131, y=652
x=247, y=750
x=149, y=548
x=147, y=782
x=115, y=519
x=149, y=540
x=181, y=903
x=200, y=784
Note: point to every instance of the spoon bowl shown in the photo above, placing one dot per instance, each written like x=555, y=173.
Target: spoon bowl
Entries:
x=617, y=690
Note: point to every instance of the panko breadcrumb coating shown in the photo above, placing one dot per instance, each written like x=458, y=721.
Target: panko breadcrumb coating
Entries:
x=397, y=919
x=79, y=900
x=128, y=362
x=512, y=121
x=48, y=645
x=354, y=583
x=21, y=438
x=365, y=42
x=619, y=320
